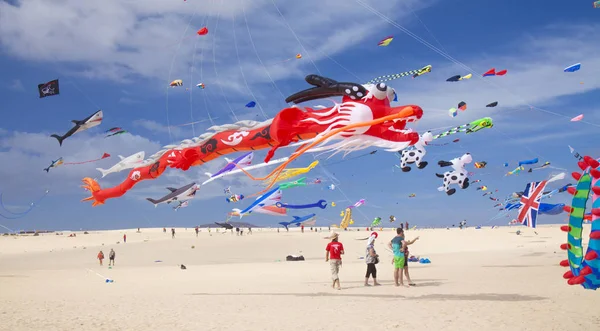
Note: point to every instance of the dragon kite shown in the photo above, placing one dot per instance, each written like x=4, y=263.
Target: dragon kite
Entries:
x=363, y=119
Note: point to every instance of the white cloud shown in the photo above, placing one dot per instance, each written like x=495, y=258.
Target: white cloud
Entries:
x=158, y=128
x=535, y=77
x=120, y=39
x=29, y=153
x=16, y=85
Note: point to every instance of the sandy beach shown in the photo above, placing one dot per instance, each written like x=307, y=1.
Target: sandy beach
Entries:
x=488, y=279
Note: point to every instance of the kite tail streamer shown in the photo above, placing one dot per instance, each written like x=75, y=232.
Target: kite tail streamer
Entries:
x=406, y=112
x=387, y=78
x=106, y=155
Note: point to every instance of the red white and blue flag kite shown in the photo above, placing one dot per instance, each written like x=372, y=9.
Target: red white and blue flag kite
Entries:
x=530, y=203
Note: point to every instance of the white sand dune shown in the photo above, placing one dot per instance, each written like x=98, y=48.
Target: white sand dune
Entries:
x=489, y=279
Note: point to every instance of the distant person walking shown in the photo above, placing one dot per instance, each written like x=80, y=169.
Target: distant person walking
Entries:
x=100, y=257
x=249, y=230
x=237, y=231
x=302, y=228
x=406, y=225
x=164, y=230
x=196, y=229
x=124, y=238
x=172, y=233
x=335, y=250
x=111, y=257
x=371, y=259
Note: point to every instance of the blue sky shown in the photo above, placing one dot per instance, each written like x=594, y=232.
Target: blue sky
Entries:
x=119, y=56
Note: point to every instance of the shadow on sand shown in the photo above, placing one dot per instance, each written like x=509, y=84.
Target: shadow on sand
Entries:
x=435, y=297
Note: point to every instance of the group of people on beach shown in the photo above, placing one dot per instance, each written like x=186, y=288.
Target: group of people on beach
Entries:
x=111, y=257
x=399, y=246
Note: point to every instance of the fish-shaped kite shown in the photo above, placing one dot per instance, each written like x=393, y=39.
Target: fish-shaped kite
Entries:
x=242, y=161
x=267, y=210
x=268, y=199
x=81, y=125
x=54, y=164
x=182, y=204
x=126, y=163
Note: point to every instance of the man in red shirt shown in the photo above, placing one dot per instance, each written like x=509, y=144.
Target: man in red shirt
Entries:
x=334, y=250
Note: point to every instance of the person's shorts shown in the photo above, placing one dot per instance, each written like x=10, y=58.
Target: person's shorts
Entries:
x=335, y=268
x=112, y=258
x=399, y=262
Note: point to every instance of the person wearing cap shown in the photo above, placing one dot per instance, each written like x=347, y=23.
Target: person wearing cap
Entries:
x=371, y=258
x=333, y=255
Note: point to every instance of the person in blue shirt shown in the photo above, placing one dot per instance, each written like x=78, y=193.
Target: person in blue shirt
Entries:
x=398, y=245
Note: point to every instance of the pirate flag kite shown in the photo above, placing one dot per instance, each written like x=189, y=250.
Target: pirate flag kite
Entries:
x=48, y=89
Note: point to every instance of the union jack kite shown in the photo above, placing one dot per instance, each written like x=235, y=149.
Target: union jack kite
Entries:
x=530, y=202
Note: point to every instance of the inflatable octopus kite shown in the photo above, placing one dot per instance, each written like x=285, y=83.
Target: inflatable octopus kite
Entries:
x=584, y=268
x=363, y=119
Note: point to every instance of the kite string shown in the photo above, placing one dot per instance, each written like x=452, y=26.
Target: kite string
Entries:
x=256, y=52
x=172, y=65
x=192, y=69
x=21, y=214
x=453, y=60
x=9, y=229
x=296, y=37
x=237, y=52
x=205, y=94
x=218, y=80
x=406, y=112
x=427, y=29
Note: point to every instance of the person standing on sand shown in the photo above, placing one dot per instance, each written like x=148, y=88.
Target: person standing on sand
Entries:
x=398, y=245
x=406, y=255
x=249, y=230
x=335, y=250
x=164, y=230
x=111, y=257
x=371, y=259
x=100, y=257
x=172, y=233
x=124, y=238
x=302, y=228
x=196, y=231
x=406, y=225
